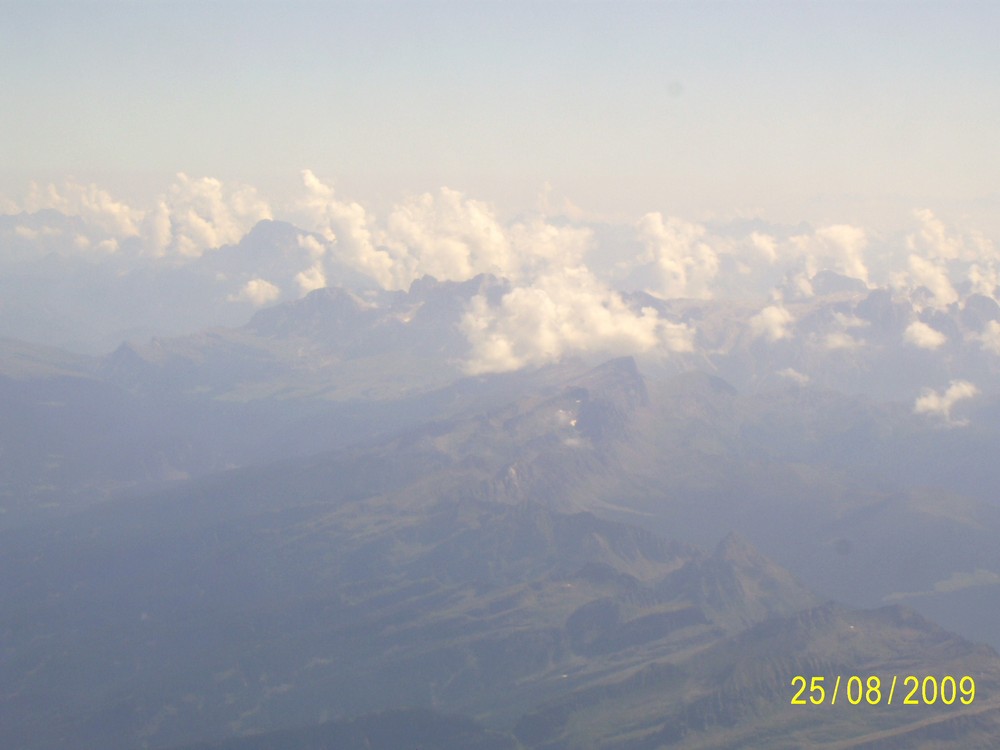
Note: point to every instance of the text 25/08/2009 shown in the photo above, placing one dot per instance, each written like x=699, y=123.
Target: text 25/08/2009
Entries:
x=915, y=691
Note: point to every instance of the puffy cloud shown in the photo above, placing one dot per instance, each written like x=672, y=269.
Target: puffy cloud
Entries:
x=94, y=205
x=934, y=277
x=983, y=280
x=157, y=230
x=443, y=234
x=256, y=291
x=989, y=339
x=772, y=323
x=562, y=313
x=940, y=404
x=204, y=214
x=922, y=335
x=687, y=265
x=932, y=239
x=312, y=278
x=935, y=251
x=839, y=247
x=448, y=236
x=538, y=246
x=766, y=245
x=193, y=216
x=798, y=286
x=311, y=245
x=346, y=227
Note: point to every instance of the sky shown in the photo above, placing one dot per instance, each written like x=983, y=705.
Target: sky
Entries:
x=806, y=111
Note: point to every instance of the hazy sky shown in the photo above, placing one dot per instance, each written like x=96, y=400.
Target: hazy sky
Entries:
x=817, y=111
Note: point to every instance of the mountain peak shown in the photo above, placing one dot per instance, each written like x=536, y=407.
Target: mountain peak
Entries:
x=619, y=377
x=737, y=549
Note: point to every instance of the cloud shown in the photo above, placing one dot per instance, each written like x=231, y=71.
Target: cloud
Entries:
x=256, y=291
x=922, y=335
x=940, y=404
x=346, y=227
x=443, y=234
x=934, y=278
x=686, y=264
x=983, y=280
x=794, y=375
x=766, y=245
x=31, y=234
x=562, y=313
x=989, y=339
x=201, y=214
x=312, y=278
x=932, y=240
x=839, y=247
x=771, y=323
x=840, y=340
x=934, y=249
x=193, y=216
x=539, y=246
x=94, y=205
x=449, y=237
x=311, y=245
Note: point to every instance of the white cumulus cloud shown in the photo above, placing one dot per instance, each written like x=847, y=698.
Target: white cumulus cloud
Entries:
x=94, y=205
x=839, y=247
x=989, y=339
x=561, y=313
x=932, y=239
x=449, y=237
x=934, y=277
x=312, y=278
x=201, y=214
x=940, y=404
x=687, y=265
x=771, y=323
x=922, y=335
x=345, y=225
x=256, y=291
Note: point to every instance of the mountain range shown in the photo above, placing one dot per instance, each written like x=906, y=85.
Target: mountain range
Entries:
x=320, y=528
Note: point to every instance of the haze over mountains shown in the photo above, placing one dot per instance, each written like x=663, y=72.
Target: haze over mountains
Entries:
x=85, y=270
x=478, y=480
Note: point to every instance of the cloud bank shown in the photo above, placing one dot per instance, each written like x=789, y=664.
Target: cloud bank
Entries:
x=564, y=270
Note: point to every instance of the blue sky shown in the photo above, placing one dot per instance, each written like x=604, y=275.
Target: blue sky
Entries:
x=813, y=111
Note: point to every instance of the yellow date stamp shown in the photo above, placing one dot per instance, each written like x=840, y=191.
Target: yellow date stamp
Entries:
x=872, y=690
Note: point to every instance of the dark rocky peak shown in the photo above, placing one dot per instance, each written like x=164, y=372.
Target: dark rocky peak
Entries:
x=886, y=315
x=979, y=310
x=126, y=365
x=942, y=321
x=331, y=309
x=608, y=397
x=451, y=297
x=830, y=282
x=269, y=232
x=616, y=379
